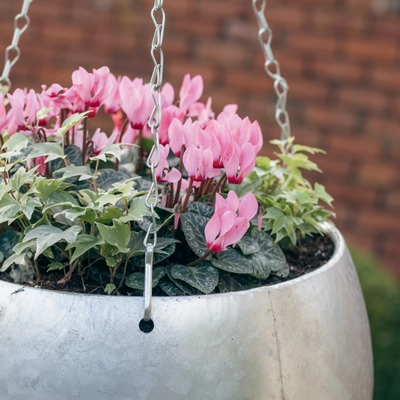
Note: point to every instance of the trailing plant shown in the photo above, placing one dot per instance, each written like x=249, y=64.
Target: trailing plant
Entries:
x=292, y=206
x=73, y=199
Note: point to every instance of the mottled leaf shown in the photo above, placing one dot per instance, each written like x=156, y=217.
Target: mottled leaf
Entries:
x=136, y=279
x=201, y=209
x=193, y=226
x=7, y=242
x=203, y=277
x=232, y=261
x=248, y=245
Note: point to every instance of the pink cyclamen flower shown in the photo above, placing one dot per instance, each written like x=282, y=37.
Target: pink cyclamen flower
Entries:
x=191, y=91
x=136, y=101
x=163, y=173
x=54, y=98
x=88, y=89
x=198, y=163
x=3, y=114
x=230, y=221
x=24, y=107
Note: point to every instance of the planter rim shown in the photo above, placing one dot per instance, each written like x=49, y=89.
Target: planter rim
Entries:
x=329, y=229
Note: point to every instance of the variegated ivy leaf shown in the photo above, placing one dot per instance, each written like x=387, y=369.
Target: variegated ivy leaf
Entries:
x=136, y=279
x=15, y=143
x=46, y=187
x=47, y=235
x=55, y=266
x=203, y=277
x=114, y=150
x=21, y=178
x=42, y=113
x=52, y=151
x=321, y=193
x=84, y=172
x=117, y=235
x=83, y=244
x=137, y=210
x=70, y=122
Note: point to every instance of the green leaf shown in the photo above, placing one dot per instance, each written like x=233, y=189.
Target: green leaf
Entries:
x=47, y=235
x=248, y=245
x=52, y=151
x=105, y=198
x=263, y=162
x=193, y=226
x=321, y=193
x=203, y=277
x=55, y=266
x=136, y=279
x=110, y=288
x=7, y=242
x=137, y=210
x=231, y=260
x=117, y=235
x=70, y=122
x=82, y=244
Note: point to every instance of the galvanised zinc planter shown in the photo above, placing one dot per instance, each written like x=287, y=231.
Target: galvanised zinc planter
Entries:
x=306, y=339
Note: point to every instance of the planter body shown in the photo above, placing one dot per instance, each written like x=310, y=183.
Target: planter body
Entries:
x=306, y=339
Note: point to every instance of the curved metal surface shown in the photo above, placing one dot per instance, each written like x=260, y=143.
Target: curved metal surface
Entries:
x=306, y=339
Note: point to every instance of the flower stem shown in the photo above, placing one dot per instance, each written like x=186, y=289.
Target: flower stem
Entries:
x=200, y=259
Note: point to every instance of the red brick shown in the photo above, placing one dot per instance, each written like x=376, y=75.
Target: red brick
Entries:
x=378, y=175
x=370, y=100
x=386, y=78
x=351, y=194
x=366, y=49
x=354, y=148
x=379, y=222
x=320, y=46
x=327, y=117
x=337, y=70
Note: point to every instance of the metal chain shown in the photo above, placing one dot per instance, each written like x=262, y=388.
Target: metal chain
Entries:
x=273, y=69
x=157, y=13
x=12, y=51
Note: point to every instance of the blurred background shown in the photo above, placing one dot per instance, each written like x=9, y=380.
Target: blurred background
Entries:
x=341, y=59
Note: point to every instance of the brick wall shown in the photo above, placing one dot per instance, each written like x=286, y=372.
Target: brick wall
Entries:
x=341, y=60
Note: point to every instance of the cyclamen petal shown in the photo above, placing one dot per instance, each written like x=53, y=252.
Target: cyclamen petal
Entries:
x=248, y=206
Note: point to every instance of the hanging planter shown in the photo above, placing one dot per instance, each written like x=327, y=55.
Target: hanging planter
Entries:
x=189, y=213
x=307, y=338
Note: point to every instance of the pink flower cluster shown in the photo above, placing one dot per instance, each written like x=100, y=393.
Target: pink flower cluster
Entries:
x=224, y=146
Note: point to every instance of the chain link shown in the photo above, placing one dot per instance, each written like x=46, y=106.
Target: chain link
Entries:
x=150, y=241
x=12, y=54
x=272, y=68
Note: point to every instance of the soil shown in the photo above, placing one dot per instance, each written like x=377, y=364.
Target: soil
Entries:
x=311, y=254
